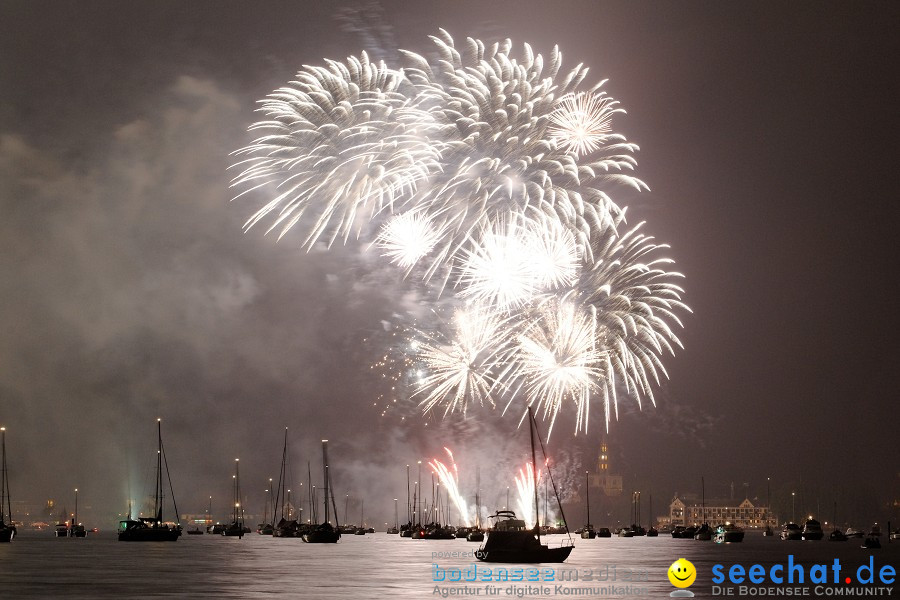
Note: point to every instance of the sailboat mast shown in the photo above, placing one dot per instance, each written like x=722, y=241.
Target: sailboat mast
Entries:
x=282, y=479
x=4, y=483
x=587, y=489
x=311, y=493
x=157, y=500
x=408, y=508
x=478, y=497
x=703, y=498
x=237, y=488
x=325, y=470
x=537, y=515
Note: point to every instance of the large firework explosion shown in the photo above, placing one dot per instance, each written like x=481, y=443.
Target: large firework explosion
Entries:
x=490, y=178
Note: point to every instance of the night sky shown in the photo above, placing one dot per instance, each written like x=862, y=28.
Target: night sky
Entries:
x=768, y=135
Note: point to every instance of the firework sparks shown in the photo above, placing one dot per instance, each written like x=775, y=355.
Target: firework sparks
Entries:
x=558, y=359
x=525, y=482
x=461, y=368
x=514, y=262
x=583, y=121
x=407, y=238
x=491, y=174
x=449, y=478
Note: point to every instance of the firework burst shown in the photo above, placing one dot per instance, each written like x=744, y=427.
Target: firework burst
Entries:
x=582, y=122
x=461, y=368
x=490, y=174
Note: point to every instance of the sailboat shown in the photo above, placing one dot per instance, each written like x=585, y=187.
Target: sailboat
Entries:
x=153, y=529
x=325, y=532
x=236, y=527
x=837, y=535
x=361, y=530
x=77, y=529
x=653, y=531
x=510, y=541
x=266, y=528
x=284, y=526
x=637, y=529
x=406, y=530
x=587, y=532
x=476, y=534
x=704, y=532
x=396, y=528
x=7, y=529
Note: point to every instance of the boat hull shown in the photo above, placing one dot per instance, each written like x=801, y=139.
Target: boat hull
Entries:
x=7, y=533
x=519, y=546
x=323, y=534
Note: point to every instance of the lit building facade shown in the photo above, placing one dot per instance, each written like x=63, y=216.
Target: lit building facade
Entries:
x=746, y=514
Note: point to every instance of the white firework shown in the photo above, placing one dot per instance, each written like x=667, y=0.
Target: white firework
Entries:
x=407, y=238
x=582, y=122
x=498, y=156
x=515, y=261
x=341, y=144
x=462, y=368
x=635, y=304
x=558, y=360
x=449, y=477
x=493, y=173
x=525, y=484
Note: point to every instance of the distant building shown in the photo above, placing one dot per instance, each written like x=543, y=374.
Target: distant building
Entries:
x=604, y=478
x=745, y=514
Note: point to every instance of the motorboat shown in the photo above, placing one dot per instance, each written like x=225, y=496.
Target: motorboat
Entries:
x=791, y=531
x=812, y=530
x=729, y=533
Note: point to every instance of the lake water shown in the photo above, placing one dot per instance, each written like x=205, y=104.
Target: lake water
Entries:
x=38, y=565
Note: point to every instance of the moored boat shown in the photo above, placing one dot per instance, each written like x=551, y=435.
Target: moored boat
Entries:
x=729, y=533
x=510, y=540
x=236, y=527
x=77, y=529
x=153, y=529
x=703, y=533
x=587, y=532
x=812, y=530
x=7, y=528
x=325, y=532
x=791, y=531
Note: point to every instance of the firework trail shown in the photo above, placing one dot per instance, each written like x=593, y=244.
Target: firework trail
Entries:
x=489, y=178
x=449, y=477
x=525, y=482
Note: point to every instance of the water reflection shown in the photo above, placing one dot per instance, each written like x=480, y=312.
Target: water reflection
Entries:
x=372, y=566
